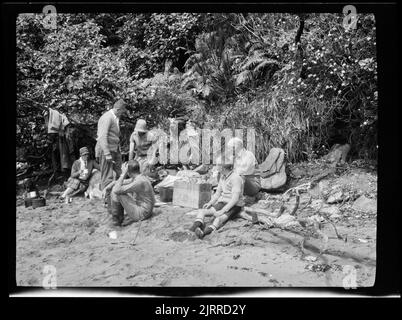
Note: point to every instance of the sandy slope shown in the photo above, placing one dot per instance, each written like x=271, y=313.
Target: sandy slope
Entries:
x=74, y=239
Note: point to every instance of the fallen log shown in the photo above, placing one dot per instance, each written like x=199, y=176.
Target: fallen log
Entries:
x=321, y=176
x=261, y=211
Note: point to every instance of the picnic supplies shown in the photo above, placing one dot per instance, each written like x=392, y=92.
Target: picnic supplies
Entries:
x=166, y=194
x=273, y=170
x=187, y=174
x=168, y=182
x=192, y=194
x=38, y=202
x=28, y=202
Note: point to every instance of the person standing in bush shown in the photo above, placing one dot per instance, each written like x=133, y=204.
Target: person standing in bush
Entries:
x=108, y=145
x=81, y=172
x=141, y=141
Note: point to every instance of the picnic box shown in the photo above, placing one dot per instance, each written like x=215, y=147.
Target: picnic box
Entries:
x=190, y=194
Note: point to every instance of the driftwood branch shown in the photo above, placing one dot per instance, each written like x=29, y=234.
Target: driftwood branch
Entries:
x=296, y=205
x=34, y=174
x=261, y=211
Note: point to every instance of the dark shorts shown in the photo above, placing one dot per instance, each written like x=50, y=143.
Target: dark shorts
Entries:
x=231, y=213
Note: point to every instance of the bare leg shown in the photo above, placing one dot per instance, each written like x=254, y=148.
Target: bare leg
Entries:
x=198, y=225
x=134, y=212
x=204, y=213
x=66, y=193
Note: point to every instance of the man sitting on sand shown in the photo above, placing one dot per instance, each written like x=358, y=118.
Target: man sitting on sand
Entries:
x=226, y=203
x=135, y=195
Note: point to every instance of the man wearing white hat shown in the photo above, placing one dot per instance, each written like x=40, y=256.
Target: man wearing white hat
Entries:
x=140, y=143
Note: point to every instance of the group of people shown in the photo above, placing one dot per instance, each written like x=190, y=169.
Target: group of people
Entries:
x=128, y=192
x=124, y=186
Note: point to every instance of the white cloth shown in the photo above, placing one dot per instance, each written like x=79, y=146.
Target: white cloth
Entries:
x=245, y=163
x=57, y=121
x=83, y=168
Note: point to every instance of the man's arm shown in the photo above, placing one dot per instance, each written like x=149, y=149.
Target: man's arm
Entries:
x=216, y=195
x=111, y=185
x=121, y=188
x=103, y=129
x=131, y=152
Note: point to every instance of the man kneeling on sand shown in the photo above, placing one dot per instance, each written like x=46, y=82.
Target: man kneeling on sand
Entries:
x=134, y=196
x=225, y=204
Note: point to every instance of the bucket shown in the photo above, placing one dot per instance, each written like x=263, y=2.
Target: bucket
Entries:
x=28, y=202
x=166, y=194
x=38, y=202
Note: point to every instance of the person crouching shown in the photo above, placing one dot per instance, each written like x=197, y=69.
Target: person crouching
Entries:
x=134, y=196
x=225, y=204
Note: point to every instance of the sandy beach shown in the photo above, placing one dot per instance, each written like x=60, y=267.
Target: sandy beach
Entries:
x=74, y=239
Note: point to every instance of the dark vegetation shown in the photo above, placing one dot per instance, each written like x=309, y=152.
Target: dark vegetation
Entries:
x=302, y=81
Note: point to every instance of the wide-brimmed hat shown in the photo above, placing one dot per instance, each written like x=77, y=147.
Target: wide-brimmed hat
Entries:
x=141, y=126
x=84, y=151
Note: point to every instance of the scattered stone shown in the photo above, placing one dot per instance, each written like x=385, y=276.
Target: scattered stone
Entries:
x=336, y=197
x=310, y=258
x=316, y=218
x=297, y=173
x=365, y=204
x=237, y=256
x=338, y=154
x=320, y=267
x=333, y=210
x=316, y=204
x=324, y=187
x=314, y=192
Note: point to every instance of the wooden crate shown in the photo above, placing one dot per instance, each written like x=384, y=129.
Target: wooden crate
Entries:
x=191, y=195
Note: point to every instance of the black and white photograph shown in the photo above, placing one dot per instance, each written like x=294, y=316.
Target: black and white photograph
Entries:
x=196, y=149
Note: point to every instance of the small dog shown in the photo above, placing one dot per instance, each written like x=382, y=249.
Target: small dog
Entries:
x=94, y=189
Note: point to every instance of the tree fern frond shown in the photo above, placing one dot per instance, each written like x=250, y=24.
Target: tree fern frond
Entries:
x=264, y=63
x=256, y=58
x=243, y=77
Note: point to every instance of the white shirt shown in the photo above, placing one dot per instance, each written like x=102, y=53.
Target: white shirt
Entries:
x=245, y=163
x=116, y=118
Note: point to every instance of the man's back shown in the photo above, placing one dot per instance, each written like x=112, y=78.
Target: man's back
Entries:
x=108, y=133
x=143, y=192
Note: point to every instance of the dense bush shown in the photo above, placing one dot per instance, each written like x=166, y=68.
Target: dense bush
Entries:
x=302, y=81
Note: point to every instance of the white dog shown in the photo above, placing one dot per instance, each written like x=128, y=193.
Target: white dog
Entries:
x=94, y=189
